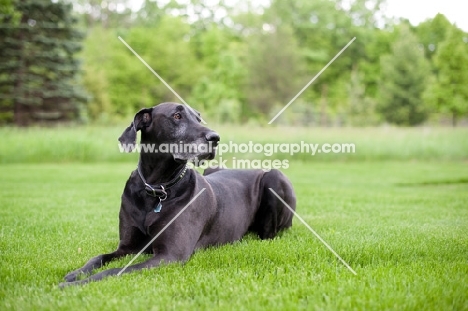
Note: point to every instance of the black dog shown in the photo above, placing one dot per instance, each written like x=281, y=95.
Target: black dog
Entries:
x=229, y=202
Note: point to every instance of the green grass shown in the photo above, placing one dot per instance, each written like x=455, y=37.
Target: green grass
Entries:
x=99, y=144
x=402, y=225
x=396, y=211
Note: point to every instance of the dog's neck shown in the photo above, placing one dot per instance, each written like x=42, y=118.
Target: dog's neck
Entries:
x=159, y=168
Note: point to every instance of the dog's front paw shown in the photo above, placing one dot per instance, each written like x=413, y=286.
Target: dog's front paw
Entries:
x=68, y=284
x=72, y=276
x=65, y=284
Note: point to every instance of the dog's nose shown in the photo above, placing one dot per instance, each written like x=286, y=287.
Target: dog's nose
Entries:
x=212, y=137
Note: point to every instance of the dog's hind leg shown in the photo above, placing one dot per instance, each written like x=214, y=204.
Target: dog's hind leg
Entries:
x=272, y=215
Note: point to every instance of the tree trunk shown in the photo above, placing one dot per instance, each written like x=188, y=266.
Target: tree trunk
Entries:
x=454, y=120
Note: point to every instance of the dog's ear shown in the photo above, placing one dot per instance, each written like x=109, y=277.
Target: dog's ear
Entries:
x=141, y=120
x=197, y=114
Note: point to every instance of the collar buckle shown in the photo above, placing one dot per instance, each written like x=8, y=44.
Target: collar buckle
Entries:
x=156, y=193
x=161, y=193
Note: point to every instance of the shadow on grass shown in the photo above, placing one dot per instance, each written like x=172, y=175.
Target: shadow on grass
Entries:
x=435, y=182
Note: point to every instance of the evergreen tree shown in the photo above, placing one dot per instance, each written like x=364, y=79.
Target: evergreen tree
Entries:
x=7, y=8
x=403, y=80
x=38, y=68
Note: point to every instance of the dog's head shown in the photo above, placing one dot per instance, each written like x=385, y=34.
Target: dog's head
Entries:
x=171, y=128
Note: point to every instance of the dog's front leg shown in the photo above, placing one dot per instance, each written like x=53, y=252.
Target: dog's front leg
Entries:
x=94, y=263
x=131, y=241
x=150, y=263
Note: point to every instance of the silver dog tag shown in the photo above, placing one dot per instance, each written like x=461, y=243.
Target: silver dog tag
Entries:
x=158, y=207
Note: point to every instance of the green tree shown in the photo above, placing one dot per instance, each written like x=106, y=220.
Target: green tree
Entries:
x=8, y=12
x=218, y=88
x=114, y=77
x=274, y=67
x=403, y=80
x=38, y=65
x=322, y=28
x=450, y=91
x=432, y=32
x=128, y=83
x=362, y=109
x=96, y=71
x=378, y=43
x=167, y=49
x=149, y=14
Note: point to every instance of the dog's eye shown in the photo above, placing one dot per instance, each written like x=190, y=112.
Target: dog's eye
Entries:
x=177, y=116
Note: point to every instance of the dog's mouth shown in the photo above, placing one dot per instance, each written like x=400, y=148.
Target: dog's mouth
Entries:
x=197, y=159
x=206, y=156
x=211, y=155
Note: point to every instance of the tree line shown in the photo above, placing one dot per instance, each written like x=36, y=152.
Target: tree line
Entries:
x=238, y=62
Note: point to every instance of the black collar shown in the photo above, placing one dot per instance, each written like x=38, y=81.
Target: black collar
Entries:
x=160, y=189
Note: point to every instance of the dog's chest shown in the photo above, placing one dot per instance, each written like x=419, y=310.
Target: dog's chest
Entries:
x=150, y=219
x=143, y=212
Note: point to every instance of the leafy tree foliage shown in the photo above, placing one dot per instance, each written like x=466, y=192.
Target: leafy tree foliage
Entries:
x=433, y=32
x=273, y=69
x=218, y=90
x=10, y=14
x=237, y=61
x=38, y=67
x=322, y=28
x=128, y=83
x=450, y=90
x=403, y=81
x=362, y=108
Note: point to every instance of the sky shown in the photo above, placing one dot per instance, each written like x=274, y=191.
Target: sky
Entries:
x=415, y=10
x=419, y=10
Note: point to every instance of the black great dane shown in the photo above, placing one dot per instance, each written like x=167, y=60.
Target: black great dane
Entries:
x=231, y=203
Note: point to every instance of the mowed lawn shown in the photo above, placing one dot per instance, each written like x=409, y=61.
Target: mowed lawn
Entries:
x=402, y=225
